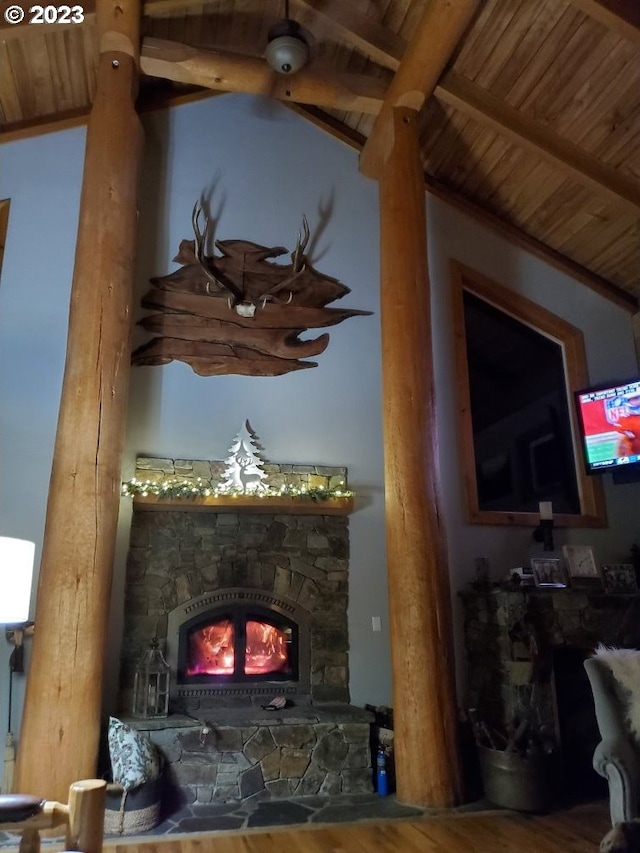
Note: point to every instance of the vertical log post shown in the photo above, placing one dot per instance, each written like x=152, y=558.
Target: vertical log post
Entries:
x=425, y=719
x=61, y=721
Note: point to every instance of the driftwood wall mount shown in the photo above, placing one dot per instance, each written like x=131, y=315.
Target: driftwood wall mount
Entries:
x=239, y=311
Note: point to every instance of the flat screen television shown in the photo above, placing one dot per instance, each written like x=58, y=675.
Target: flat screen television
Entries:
x=609, y=426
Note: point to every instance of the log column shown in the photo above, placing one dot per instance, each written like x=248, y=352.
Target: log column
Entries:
x=425, y=718
x=61, y=721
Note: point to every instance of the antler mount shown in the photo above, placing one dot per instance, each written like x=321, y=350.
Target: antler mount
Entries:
x=239, y=311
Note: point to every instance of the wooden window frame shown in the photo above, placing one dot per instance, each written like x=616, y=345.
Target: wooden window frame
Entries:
x=571, y=341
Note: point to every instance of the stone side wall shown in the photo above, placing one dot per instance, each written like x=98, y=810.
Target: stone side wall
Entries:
x=176, y=556
x=510, y=636
x=325, y=751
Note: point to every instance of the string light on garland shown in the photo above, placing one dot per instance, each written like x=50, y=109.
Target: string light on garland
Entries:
x=244, y=475
x=199, y=488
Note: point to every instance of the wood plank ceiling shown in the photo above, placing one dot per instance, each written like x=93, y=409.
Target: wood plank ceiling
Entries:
x=533, y=126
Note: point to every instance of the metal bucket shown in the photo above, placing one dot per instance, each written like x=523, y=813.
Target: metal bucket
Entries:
x=513, y=782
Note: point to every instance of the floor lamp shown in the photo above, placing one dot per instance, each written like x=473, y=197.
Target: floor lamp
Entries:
x=16, y=572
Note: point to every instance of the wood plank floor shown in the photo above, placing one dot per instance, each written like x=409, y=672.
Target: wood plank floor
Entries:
x=577, y=830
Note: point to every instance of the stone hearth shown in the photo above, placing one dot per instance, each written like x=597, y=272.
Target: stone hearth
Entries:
x=320, y=749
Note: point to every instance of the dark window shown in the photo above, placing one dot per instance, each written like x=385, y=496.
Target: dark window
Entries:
x=519, y=412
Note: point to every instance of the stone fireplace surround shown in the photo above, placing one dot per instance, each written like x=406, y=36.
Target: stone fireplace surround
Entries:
x=508, y=681
x=320, y=744
x=504, y=680
x=175, y=557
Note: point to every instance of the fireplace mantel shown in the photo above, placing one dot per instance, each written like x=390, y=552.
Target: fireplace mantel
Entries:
x=195, y=487
x=247, y=503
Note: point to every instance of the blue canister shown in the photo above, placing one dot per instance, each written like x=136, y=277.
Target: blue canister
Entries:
x=381, y=772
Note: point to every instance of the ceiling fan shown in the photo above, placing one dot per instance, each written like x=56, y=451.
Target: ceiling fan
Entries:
x=287, y=48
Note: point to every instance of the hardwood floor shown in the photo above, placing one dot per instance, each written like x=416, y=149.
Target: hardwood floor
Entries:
x=577, y=830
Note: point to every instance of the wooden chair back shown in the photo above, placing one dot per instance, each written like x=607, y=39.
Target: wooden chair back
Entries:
x=82, y=816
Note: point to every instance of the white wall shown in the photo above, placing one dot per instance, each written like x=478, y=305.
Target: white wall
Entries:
x=610, y=352
x=42, y=178
x=264, y=167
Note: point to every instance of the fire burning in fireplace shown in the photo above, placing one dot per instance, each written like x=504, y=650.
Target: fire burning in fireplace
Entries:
x=235, y=644
x=240, y=642
x=213, y=649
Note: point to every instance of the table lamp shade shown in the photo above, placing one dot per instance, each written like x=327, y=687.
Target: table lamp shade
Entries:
x=16, y=571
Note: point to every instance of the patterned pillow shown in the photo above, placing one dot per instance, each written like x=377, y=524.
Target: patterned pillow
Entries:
x=134, y=758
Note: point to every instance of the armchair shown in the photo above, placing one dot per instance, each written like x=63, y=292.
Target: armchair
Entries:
x=617, y=756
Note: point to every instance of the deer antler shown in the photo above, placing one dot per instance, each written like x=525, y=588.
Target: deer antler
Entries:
x=298, y=264
x=199, y=252
x=297, y=256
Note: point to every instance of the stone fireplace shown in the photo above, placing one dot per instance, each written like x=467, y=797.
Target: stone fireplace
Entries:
x=249, y=604
x=189, y=567
x=525, y=651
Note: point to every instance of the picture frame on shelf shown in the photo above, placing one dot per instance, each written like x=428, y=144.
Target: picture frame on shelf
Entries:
x=581, y=562
x=521, y=575
x=549, y=572
x=619, y=578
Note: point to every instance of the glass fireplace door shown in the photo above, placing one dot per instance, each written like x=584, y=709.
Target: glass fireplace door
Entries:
x=245, y=645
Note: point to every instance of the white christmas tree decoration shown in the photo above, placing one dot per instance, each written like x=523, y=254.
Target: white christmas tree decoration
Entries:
x=244, y=473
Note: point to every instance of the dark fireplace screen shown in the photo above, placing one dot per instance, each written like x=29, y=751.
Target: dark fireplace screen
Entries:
x=246, y=643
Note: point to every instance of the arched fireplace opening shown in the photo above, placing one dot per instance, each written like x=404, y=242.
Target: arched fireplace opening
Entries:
x=238, y=644
x=242, y=643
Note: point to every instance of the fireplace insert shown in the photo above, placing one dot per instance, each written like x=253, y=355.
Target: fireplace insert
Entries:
x=238, y=644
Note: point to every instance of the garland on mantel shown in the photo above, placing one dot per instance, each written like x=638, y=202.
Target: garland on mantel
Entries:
x=192, y=489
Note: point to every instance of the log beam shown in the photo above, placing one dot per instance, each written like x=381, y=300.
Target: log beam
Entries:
x=226, y=72
x=425, y=721
x=62, y=710
x=443, y=24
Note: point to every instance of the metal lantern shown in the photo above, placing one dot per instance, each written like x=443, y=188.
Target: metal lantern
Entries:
x=151, y=684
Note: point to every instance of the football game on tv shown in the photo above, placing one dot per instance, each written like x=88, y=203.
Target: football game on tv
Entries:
x=609, y=421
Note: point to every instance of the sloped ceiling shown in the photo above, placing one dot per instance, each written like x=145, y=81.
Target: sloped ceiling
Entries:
x=532, y=124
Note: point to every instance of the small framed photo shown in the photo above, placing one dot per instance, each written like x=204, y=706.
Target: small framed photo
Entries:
x=581, y=561
x=521, y=575
x=549, y=572
x=619, y=577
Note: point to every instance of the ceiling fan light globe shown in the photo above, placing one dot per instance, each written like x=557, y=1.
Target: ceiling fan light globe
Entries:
x=287, y=54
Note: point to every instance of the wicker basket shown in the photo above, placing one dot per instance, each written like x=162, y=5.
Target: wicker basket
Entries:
x=135, y=811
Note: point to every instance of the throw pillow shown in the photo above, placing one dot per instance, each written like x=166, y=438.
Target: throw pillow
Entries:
x=134, y=758
x=625, y=668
